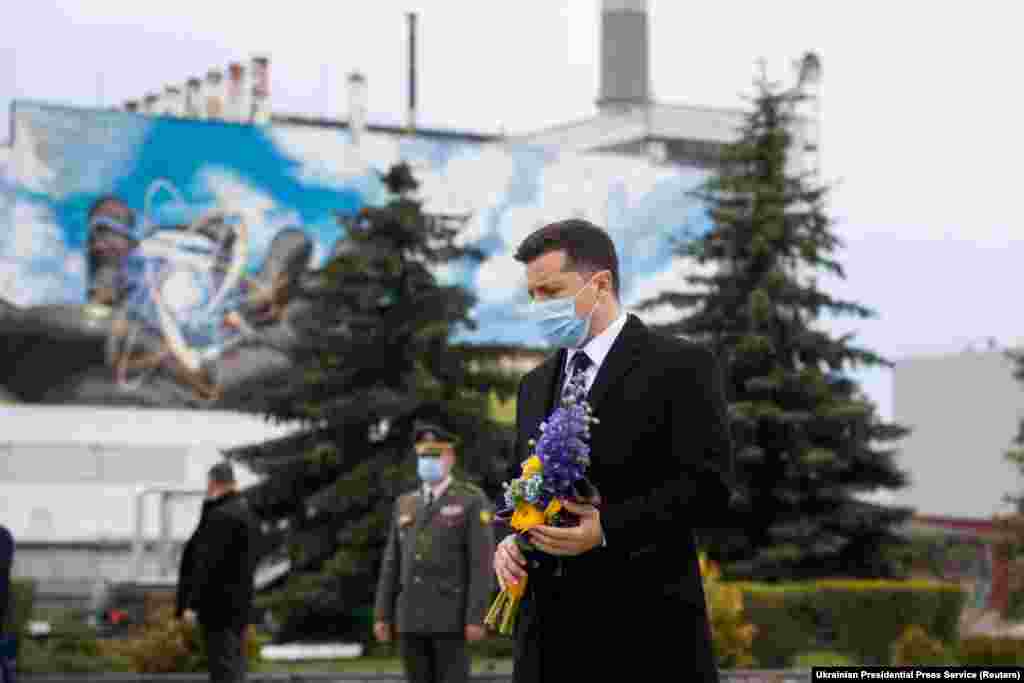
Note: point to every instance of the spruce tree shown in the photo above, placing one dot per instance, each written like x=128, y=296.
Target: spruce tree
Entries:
x=807, y=440
x=379, y=355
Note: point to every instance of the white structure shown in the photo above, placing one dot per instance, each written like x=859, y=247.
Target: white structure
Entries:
x=964, y=410
x=70, y=478
x=629, y=121
x=356, y=105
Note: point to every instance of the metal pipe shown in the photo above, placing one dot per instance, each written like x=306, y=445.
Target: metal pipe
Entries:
x=412, y=72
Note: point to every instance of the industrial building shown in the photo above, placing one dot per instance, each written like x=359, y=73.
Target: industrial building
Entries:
x=964, y=410
x=89, y=503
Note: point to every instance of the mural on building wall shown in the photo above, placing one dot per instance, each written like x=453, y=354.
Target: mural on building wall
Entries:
x=153, y=260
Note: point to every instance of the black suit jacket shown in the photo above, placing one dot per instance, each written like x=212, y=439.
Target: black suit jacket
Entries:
x=6, y=560
x=218, y=564
x=661, y=457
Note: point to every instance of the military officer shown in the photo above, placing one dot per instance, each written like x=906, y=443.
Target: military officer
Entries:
x=436, y=579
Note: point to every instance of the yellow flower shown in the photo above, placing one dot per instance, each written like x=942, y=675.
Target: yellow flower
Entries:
x=552, y=509
x=526, y=517
x=708, y=568
x=516, y=590
x=532, y=466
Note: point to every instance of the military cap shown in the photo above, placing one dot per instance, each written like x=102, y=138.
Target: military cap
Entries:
x=422, y=430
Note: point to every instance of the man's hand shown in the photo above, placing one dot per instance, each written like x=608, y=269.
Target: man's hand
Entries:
x=382, y=631
x=475, y=632
x=574, y=540
x=509, y=563
x=189, y=616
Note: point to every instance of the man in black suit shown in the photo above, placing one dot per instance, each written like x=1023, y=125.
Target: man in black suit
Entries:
x=218, y=564
x=625, y=583
x=8, y=641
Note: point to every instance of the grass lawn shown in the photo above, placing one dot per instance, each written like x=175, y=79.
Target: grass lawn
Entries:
x=372, y=664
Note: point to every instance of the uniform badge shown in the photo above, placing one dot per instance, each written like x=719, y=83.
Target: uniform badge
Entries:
x=452, y=516
x=486, y=517
x=452, y=510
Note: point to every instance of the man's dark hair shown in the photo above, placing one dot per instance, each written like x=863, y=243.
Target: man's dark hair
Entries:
x=588, y=248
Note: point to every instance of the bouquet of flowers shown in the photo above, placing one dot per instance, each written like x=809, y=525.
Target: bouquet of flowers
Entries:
x=556, y=470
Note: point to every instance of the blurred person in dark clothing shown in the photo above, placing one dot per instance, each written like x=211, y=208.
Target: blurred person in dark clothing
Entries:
x=6, y=560
x=215, y=584
x=8, y=641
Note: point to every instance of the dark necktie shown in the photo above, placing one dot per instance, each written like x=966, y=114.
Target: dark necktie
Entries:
x=579, y=364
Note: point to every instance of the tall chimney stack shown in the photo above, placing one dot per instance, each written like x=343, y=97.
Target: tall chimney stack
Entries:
x=809, y=73
x=625, y=72
x=172, y=101
x=193, y=98
x=235, y=105
x=411, y=124
x=260, y=76
x=214, y=95
x=356, y=105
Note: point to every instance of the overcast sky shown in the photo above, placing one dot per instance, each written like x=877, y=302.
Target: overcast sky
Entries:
x=921, y=108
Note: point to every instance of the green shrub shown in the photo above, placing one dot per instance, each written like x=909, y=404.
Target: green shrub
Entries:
x=869, y=616
x=1015, y=606
x=23, y=598
x=807, y=660
x=785, y=620
x=859, y=618
x=988, y=651
x=916, y=648
x=72, y=647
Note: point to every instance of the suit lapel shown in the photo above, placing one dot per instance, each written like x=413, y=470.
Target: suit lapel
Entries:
x=539, y=395
x=620, y=359
x=555, y=382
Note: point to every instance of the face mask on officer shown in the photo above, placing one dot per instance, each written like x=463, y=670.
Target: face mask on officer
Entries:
x=432, y=463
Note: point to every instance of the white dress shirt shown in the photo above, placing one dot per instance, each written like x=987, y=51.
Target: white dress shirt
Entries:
x=437, y=490
x=597, y=350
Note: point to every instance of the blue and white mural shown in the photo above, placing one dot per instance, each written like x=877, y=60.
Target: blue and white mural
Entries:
x=181, y=235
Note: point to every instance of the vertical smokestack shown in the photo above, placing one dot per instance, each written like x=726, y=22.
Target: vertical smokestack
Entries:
x=149, y=103
x=172, y=101
x=193, y=101
x=625, y=75
x=214, y=95
x=260, y=90
x=809, y=79
x=411, y=124
x=356, y=105
x=234, y=109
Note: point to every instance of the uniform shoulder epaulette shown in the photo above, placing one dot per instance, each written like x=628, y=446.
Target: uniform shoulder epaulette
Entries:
x=469, y=488
x=409, y=494
x=407, y=503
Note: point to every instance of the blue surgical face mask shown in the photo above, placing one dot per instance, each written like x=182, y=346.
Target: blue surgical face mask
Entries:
x=559, y=323
x=429, y=469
